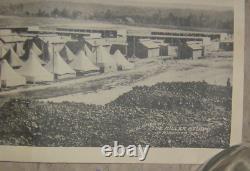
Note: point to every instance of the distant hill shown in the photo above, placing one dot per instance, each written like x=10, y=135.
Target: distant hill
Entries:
x=165, y=15
x=220, y=5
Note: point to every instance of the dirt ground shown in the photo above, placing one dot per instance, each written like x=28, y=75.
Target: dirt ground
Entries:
x=103, y=88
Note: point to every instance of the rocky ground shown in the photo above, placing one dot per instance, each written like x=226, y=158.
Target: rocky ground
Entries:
x=193, y=114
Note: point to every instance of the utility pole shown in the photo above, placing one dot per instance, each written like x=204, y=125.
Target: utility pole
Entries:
x=134, y=48
x=53, y=58
x=43, y=51
x=95, y=51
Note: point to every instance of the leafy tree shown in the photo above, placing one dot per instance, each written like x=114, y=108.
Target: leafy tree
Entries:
x=65, y=13
x=108, y=14
x=76, y=14
x=55, y=12
x=27, y=13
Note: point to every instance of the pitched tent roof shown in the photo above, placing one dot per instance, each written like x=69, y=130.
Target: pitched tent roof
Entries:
x=32, y=53
x=82, y=63
x=75, y=46
x=19, y=49
x=35, y=49
x=67, y=54
x=122, y=61
x=89, y=54
x=59, y=66
x=33, y=71
x=105, y=60
x=10, y=76
x=3, y=51
x=12, y=58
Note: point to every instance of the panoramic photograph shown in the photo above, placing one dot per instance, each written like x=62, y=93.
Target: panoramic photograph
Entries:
x=87, y=73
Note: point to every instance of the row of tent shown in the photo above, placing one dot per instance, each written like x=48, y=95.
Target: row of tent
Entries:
x=64, y=64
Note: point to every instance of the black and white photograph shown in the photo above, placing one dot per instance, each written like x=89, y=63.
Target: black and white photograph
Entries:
x=81, y=73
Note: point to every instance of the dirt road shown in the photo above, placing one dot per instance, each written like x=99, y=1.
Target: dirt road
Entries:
x=103, y=88
x=213, y=71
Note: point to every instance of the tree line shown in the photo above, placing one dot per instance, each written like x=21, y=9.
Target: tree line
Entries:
x=200, y=20
x=156, y=17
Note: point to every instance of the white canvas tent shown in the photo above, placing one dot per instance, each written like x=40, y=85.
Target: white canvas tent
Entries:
x=33, y=71
x=121, y=61
x=13, y=59
x=35, y=49
x=104, y=60
x=9, y=77
x=59, y=67
x=32, y=53
x=82, y=64
x=19, y=49
x=67, y=54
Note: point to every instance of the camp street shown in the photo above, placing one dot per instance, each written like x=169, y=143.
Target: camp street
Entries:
x=151, y=72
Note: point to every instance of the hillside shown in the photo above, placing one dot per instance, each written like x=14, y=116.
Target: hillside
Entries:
x=145, y=15
x=191, y=114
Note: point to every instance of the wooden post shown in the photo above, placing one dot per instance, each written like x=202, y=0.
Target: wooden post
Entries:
x=134, y=48
x=53, y=59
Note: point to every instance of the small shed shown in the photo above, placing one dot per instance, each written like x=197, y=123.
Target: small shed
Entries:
x=191, y=51
x=57, y=41
x=147, y=48
x=93, y=44
x=212, y=47
x=163, y=47
x=173, y=51
x=227, y=45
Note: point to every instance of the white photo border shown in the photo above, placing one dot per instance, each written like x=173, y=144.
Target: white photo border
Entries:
x=155, y=155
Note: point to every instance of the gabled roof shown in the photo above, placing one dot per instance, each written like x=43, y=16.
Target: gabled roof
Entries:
x=118, y=41
x=195, y=46
x=149, y=44
x=9, y=75
x=194, y=42
x=227, y=41
x=98, y=42
x=12, y=39
x=54, y=39
x=160, y=43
